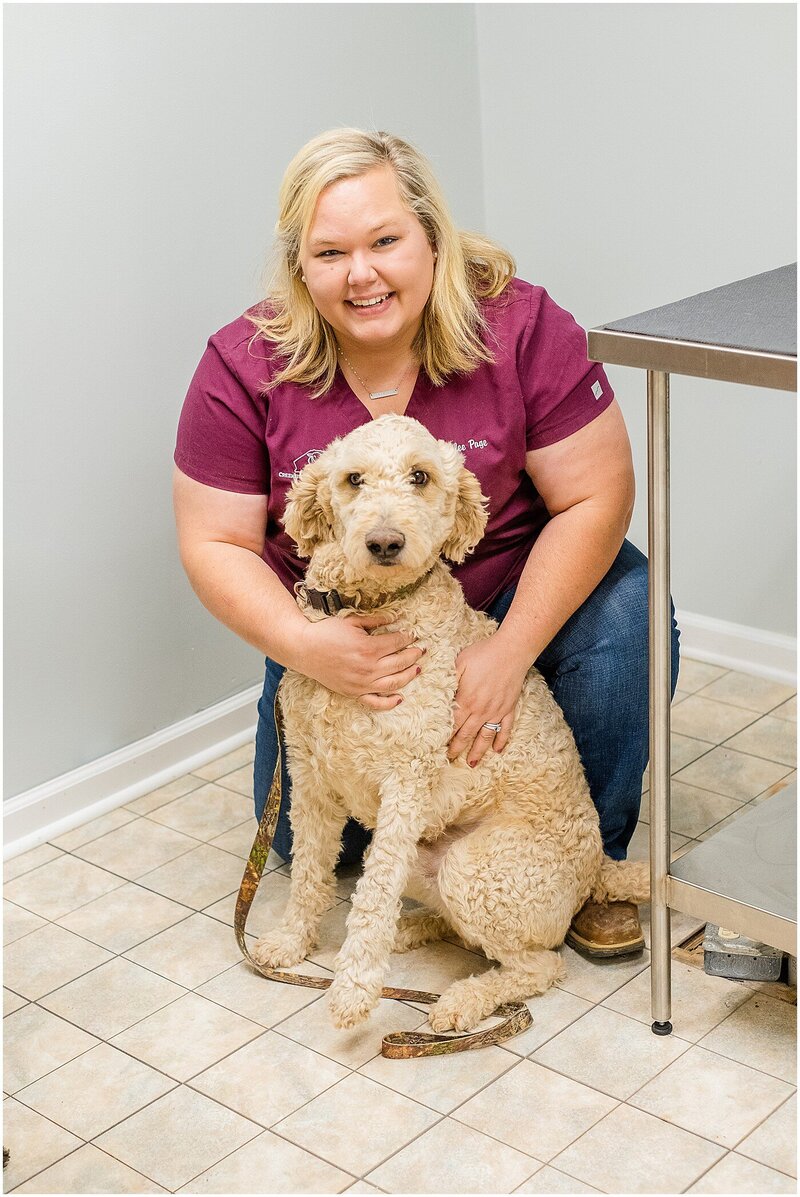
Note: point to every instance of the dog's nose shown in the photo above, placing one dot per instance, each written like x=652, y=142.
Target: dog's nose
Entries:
x=385, y=543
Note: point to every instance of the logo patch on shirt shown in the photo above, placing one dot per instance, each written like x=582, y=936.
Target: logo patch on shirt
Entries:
x=597, y=390
x=299, y=462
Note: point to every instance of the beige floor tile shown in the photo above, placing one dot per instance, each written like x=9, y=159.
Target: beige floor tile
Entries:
x=549, y=1110
x=112, y=998
x=684, y=749
x=59, y=886
x=692, y=810
x=594, y=980
x=47, y=958
x=426, y=1081
x=173, y=789
x=187, y=1036
x=177, y=1137
x=15, y=866
x=770, y=738
x=361, y=1186
x=269, y=1078
x=93, y=829
x=241, y=780
x=95, y=1091
x=694, y=675
x=550, y=1180
x=787, y=710
x=267, y=909
x=434, y=967
x=239, y=841
x=258, y=999
x=610, y=1052
x=137, y=848
x=198, y=878
x=35, y=1043
x=18, y=922
x=205, y=813
x=745, y=690
x=762, y=1034
x=699, y=1001
x=735, y=774
x=777, y=786
x=631, y=1152
x=190, y=953
x=313, y=1026
x=712, y=1096
x=551, y=1013
x=451, y=1158
x=274, y=1166
x=734, y=1174
x=89, y=1170
x=704, y=719
x=775, y=1142
x=639, y=847
x=12, y=1002
x=125, y=917
x=327, y=1125
x=744, y=809
x=236, y=759
x=35, y=1143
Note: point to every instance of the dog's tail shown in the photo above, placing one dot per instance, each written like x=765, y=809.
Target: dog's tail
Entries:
x=622, y=881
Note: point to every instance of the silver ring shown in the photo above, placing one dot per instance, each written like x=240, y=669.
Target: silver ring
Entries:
x=493, y=727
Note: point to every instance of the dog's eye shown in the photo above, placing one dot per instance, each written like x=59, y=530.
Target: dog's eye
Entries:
x=355, y=479
x=419, y=478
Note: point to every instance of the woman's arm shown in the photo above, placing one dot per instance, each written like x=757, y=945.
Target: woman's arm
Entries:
x=221, y=538
x=587, y=484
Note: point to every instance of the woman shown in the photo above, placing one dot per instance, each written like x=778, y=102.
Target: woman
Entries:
x=379, y=304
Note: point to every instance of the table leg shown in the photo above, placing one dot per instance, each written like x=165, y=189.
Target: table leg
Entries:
x=660, y=693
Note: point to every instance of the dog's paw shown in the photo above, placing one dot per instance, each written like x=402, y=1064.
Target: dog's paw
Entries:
x=350, y=1003
x=460, y=1008
x=279, y=949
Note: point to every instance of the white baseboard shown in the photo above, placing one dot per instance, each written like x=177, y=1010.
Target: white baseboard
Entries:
x=735, y=646
x=48, y=810
x=56, y=806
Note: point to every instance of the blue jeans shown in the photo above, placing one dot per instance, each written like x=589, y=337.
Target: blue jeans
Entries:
x=596, y=668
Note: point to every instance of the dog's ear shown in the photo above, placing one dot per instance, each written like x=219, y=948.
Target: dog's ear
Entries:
x=309, y=516
x=470, y=515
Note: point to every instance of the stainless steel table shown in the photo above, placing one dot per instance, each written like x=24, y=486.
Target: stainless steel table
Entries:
x=744, y=876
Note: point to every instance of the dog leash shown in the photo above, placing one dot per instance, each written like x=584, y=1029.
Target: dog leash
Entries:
x=401, y=1045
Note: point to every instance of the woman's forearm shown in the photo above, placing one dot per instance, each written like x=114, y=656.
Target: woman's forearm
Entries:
x=571, y=555
x=242, y=592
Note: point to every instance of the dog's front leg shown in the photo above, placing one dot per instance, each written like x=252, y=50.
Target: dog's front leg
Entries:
x=363, y=961
x=317, y=821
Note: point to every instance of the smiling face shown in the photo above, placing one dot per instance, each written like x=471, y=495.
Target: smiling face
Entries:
x=368, y=264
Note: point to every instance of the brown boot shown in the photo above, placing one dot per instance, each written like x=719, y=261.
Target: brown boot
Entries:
x=606, y=929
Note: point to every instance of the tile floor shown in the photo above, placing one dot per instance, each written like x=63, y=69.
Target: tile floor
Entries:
x=141, y=1055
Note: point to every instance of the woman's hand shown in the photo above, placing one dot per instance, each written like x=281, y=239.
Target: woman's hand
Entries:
x=490, y=680
x=345, y=658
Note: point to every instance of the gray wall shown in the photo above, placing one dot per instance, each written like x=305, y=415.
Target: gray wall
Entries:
x=145, y=145
x=635, y=154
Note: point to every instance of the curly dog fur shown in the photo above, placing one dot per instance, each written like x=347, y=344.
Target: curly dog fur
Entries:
x=503, y=854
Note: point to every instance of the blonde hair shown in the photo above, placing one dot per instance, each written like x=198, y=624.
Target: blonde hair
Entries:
x=469, y=267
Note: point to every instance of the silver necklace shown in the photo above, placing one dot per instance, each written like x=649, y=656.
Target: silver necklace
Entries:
x=387, y=394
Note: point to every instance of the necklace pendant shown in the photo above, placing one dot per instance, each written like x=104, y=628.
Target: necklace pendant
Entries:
x=382, y=394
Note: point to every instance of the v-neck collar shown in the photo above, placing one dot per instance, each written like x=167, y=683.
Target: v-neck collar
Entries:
x=346, y=392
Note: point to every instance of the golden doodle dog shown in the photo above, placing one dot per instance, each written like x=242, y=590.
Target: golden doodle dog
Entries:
x=503, y=854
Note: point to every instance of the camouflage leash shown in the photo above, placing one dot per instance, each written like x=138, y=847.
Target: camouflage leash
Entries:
x=402, y=1045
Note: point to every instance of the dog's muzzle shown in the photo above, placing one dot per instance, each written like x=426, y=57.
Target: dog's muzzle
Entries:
x=385, y=544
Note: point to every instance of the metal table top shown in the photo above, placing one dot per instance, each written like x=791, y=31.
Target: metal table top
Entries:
x=743, y=332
